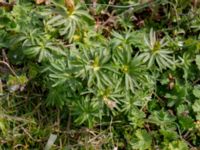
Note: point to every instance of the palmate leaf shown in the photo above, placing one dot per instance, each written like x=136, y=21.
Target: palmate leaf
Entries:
x=67, y=23
x=126, y=40
x=110, y=97
x=186, y=122
x=157, y=52
x=196, y=105
x=5, y=19
x=123, y=40
x=142, y=140
x=37, y=44
x=196, y=91
x=32, y=52
x=90, y=38
x=136, y=117
x=177, y=95
x=25, y=16
x=176, y=145
x=131, y=68
x=196, y=108
x=63, y=90
x=169, y=135
x=162, y=119
x=86, y=111
x=93, y=66
x=26, y=37
x=182, y=109
x=44, y=50
x=59, y=73
x=57, y=96
x=140, y=99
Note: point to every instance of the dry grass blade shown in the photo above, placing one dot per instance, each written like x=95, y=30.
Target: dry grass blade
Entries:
x=14, y=118
x=50, y=142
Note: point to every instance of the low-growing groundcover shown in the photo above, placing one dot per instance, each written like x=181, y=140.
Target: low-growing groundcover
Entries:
x=101, y=74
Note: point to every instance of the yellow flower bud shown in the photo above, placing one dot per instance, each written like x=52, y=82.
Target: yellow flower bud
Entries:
x=76, y=37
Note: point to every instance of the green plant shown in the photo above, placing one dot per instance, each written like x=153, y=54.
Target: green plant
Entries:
x=99, y=75
x=68, y=22
x=156, y=52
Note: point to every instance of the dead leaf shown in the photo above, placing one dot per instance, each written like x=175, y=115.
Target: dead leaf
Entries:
x=111, y=104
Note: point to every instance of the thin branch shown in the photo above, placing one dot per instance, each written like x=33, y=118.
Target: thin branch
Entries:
x=8, y=66
x=196, y=81
x=29, y=135
x=5, y=58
